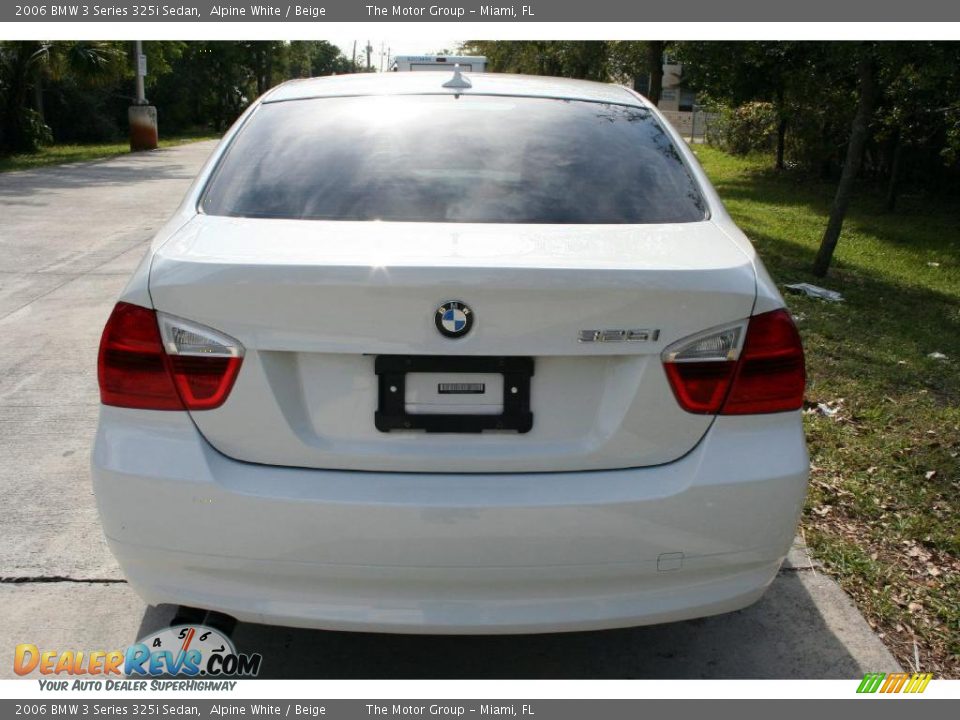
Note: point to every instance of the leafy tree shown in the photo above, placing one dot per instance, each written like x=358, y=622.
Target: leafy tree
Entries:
x=630, y=60
x=326, y=59
x=784, y=74
x=24, y=68
x=79, y=91
x=617, y=61
x=212, y=82
x=917, y=110
x=19, y=122
x=859, y=134
x=587, y=60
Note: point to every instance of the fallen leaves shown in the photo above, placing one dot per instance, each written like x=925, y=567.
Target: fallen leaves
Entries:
x=901, y=584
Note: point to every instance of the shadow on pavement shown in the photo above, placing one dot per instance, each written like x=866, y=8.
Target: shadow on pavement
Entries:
x=781, y=636
x=26, y=187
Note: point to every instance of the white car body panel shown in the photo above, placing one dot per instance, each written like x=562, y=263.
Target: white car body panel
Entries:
x=618, y=508
x=413, y=552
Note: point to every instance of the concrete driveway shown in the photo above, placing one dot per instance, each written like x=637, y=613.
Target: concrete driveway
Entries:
x=69, y=237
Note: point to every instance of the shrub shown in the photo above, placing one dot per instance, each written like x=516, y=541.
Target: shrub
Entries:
x=750, y=127
x=35, y=132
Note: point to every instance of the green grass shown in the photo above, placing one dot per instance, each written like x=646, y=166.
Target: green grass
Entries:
x=63, y=154
x=882, y=512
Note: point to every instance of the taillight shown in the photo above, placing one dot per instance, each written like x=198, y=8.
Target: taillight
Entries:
x=154, y=361
x=204, y=362
x=715, y=373
x=132, y=366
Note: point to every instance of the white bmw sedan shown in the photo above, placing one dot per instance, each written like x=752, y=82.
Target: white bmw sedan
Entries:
x=424, y=353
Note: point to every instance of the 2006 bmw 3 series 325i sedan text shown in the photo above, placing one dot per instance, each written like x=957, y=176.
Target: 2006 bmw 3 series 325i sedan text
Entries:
x=472, y=356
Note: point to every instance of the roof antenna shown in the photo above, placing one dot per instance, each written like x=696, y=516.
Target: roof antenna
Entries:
x=458, y=81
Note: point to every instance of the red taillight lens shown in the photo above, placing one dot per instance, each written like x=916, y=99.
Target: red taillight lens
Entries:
x=136, y=369
x=204, y=383
x=132, y=366
x=701, y=387
x=771, y=374
x=767, y=377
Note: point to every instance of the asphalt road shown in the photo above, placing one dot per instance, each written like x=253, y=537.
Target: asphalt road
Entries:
x=69, y=238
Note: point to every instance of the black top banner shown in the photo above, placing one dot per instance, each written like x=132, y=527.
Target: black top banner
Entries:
x=447, y=11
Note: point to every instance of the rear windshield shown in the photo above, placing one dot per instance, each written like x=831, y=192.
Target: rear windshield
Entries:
x=479, y=159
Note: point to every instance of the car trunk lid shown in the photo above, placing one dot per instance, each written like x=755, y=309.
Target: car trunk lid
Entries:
x=315, y=303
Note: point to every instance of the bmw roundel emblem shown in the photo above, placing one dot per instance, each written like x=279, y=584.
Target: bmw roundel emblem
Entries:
x=454, y=319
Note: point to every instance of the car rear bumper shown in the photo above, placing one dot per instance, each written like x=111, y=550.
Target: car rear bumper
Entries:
x=449, y=553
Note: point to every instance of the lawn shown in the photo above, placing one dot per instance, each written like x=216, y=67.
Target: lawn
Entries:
x=882, y=511
x=62, y=154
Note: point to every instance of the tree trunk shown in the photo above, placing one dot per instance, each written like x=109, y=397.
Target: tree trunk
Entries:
x=259, y=67
x=38, y=91
x=781, y=129
x=655, y=66
x=859, y=132
x=781, y=142
x=893, y=183
x=268, y=71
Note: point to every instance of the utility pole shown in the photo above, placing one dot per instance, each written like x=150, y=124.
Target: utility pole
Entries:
x=369, y=49
x=141, y=71
x=141, y=116
x=354, y=61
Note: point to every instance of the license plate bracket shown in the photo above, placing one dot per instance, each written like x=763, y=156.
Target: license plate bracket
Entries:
x=392, y=415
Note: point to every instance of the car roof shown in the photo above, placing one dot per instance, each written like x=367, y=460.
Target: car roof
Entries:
x=431, y=82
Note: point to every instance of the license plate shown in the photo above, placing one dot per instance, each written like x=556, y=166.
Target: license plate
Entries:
x=453, y=394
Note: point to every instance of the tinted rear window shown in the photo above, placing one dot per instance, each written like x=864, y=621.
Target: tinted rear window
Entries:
x=446, y=159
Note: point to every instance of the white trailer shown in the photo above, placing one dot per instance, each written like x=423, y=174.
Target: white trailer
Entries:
x=415, y=63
